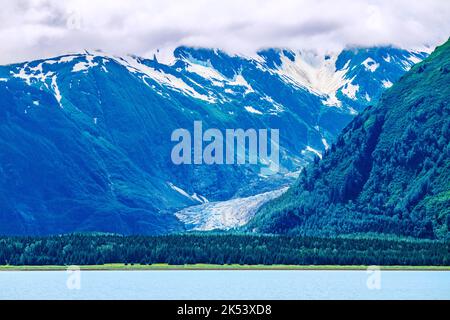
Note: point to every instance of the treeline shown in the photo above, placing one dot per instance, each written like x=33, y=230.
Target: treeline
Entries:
x=89, y=249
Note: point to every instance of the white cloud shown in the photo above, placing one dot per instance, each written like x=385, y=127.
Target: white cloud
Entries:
x=31, y=29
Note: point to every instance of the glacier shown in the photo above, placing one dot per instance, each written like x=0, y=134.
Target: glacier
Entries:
x=225, y=215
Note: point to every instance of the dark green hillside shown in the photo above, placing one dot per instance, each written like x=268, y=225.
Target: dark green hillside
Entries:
x=389, y=171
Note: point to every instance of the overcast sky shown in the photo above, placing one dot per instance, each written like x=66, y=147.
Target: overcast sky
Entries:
x=31, y=29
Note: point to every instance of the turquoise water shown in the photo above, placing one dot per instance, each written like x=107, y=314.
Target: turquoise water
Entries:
x=224, y=285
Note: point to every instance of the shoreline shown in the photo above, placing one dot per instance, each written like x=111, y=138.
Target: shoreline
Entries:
x=206, y=267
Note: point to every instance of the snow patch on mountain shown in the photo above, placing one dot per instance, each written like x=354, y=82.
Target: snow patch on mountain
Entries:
x=134, y=65
x=314, y=72
x=252, y=110
x=332, y=101
x=370, y=65
x=31, y=74
x=199, y=198
x=276, y=108
x=387, y=83
x=414, y=59
x=165, y=56
x=56, y=90
x=205, y=70
x=325, y=144
x=66, y=59
x=239, y=80
x=84, y=66
x=195, y=197
x=312, y=150
x=350, y=90
x=179, y=190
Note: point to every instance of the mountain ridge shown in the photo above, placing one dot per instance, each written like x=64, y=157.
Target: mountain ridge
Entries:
x=387, y=173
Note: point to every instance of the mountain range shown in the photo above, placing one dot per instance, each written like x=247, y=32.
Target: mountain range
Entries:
x=85, y=138
x=387, y=174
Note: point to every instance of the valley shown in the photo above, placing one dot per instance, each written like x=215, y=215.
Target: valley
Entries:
x=97, y=129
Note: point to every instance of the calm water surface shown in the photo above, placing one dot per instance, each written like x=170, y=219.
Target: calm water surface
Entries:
x=223, y=285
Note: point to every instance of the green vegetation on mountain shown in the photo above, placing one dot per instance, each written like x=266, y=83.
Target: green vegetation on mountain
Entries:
x=388, y=172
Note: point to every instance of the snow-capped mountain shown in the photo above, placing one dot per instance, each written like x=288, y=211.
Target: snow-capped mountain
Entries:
x=86, y=137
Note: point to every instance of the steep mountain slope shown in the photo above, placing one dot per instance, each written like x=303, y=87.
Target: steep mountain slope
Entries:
x=85, y=138
x=389, y=171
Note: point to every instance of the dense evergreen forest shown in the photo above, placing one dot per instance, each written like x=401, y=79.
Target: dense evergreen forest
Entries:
x=90, y=249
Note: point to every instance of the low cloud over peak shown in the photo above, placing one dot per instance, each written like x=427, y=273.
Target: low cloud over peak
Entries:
x=31, y=29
